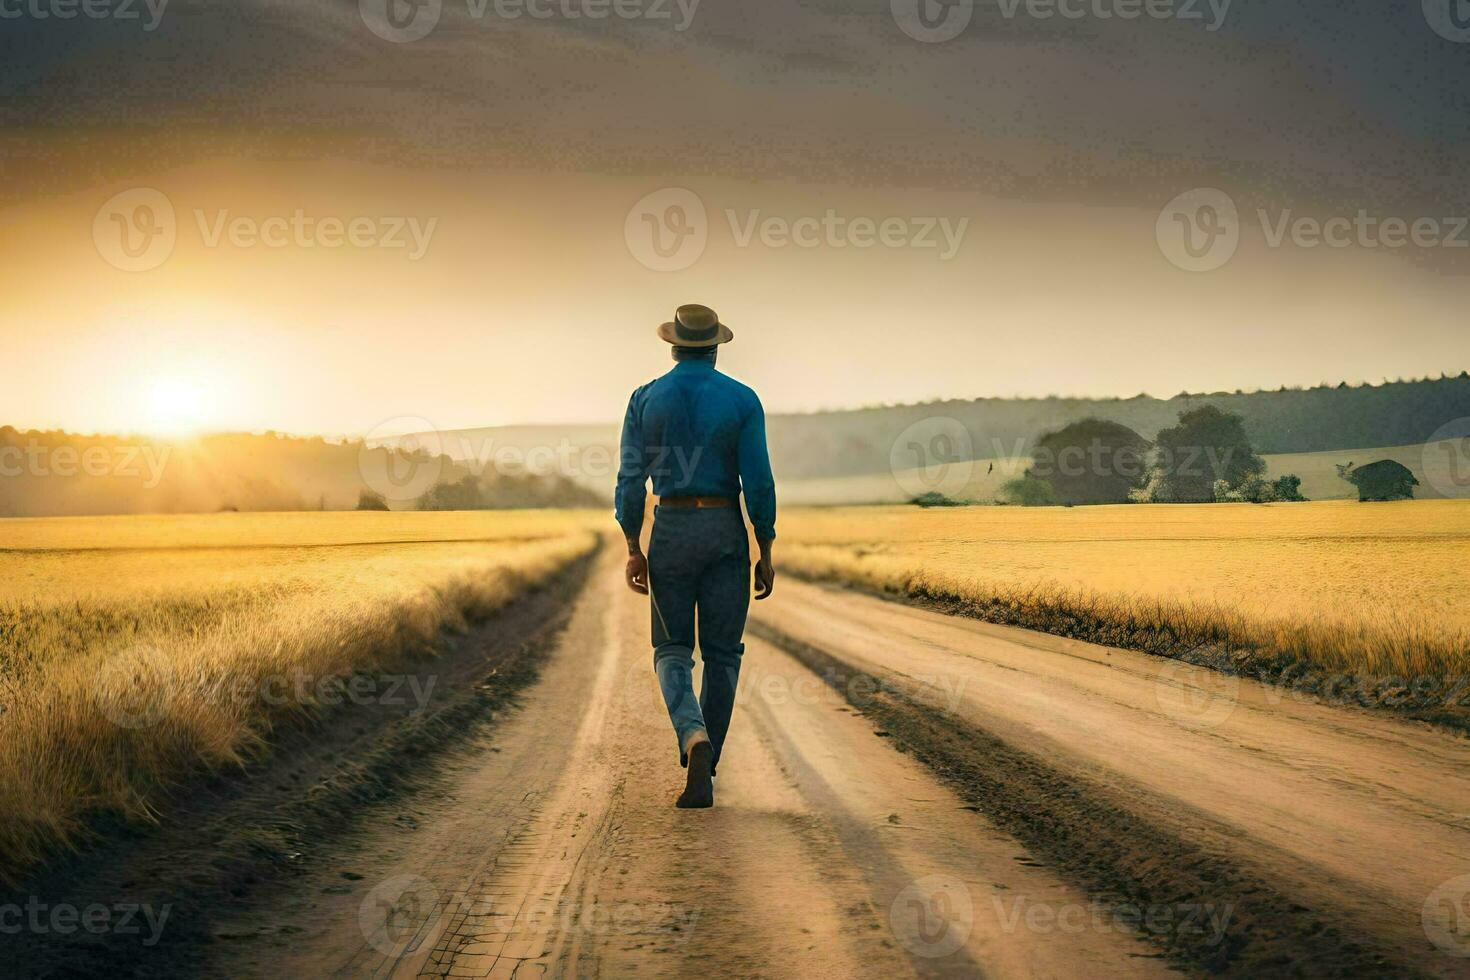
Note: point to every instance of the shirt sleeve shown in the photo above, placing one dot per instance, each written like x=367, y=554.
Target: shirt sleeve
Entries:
x=756, y=481
x=632, y=489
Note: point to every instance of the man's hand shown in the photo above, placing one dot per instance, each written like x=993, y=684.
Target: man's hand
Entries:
x=636, y=572
x=765, y=573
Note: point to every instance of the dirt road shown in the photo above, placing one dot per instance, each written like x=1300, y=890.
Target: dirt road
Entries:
x=1088, y=813
x=1301, y=816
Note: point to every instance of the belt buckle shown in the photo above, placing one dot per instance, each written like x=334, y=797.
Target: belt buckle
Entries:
x=701, y=503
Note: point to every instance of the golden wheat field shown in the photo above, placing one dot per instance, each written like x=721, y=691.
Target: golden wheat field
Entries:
x=125, y=642
x=1342, y=585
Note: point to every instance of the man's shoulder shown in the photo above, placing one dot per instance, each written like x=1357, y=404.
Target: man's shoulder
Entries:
x=642, y=390
x=744, y=391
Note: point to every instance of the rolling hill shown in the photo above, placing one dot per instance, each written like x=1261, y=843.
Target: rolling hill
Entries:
x=846, y=456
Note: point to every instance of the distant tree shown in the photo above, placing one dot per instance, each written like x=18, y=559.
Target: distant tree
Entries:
x=1093, y=461
x=506, y=491
x=1385, y=479
x=1028, y=491
x=368, y=500
x=462, y=494
x=1207, y=445
x=1257, y=490
x=936, y=499
x=1288, y=488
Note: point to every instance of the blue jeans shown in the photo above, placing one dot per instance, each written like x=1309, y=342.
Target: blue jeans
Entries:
x=699, y=579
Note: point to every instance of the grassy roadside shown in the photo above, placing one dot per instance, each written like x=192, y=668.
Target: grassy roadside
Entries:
x=113, y=697
x=1404, y=667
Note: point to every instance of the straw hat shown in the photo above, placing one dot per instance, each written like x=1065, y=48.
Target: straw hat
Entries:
x=695, y=326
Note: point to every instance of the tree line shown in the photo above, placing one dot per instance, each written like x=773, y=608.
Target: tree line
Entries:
x=1205, y=457
x=1289, y=420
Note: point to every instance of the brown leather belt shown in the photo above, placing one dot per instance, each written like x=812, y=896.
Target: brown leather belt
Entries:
x=700, y=502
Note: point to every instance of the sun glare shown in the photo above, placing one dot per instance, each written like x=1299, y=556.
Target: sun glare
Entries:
x=175, y=407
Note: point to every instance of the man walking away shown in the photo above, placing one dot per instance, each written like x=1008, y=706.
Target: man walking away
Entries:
x=701, y=436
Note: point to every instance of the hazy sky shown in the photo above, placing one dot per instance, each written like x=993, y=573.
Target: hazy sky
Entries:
x=484, y=225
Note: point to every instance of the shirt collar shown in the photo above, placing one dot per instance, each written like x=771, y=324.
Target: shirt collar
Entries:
x=697, y=365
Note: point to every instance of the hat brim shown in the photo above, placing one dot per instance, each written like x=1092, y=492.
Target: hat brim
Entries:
x=667, y=335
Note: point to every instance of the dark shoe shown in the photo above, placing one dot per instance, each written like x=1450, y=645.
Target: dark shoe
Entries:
x=699, y=789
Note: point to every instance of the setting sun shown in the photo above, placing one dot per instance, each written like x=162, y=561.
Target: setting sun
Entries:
x=176, y=406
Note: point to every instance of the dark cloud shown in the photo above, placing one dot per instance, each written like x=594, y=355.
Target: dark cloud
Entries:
x=1356, y=103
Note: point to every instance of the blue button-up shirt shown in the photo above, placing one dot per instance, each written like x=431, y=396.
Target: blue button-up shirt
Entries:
x=696, y=432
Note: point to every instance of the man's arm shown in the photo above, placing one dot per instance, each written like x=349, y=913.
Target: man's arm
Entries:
x=631, y=495
x=759, y=489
